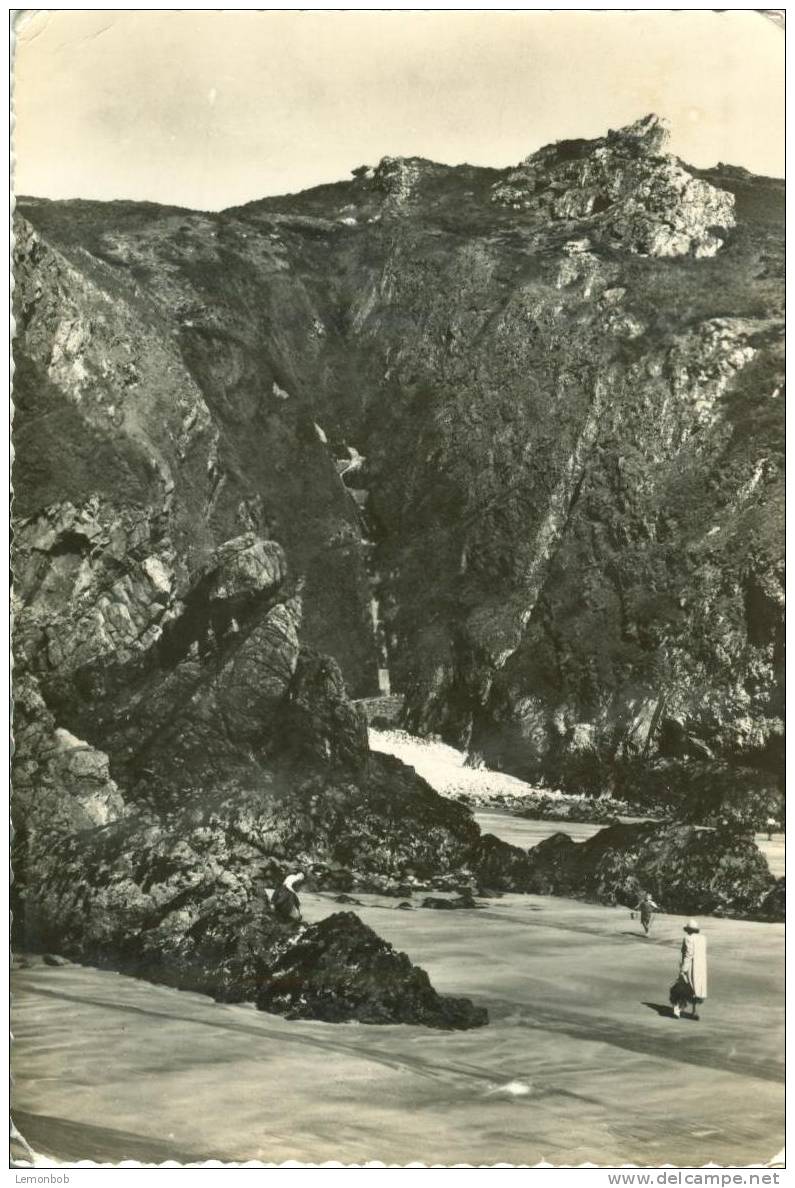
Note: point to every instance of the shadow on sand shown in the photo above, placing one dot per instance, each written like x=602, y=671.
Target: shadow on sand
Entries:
x=663, y=1010
x=667, y=1012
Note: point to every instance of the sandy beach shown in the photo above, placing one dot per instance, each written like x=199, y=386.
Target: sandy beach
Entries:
x=579, y=1062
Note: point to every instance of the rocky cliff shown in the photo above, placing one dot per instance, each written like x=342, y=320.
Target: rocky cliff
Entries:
x=178, y=552
x=533, y=416
x=581, y=487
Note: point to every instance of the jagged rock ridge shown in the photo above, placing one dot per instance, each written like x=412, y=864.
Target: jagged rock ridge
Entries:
x=637, y=196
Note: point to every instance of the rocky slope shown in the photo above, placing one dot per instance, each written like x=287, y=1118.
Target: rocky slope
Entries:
x=526, y=423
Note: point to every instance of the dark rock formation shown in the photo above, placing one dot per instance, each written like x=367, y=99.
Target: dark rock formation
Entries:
x=685, y=869
x=448, y=905
x=339, y=970
x=184, y=904
x=774, y=904
x=504, y=867
x=317, y=724
x=382, y=713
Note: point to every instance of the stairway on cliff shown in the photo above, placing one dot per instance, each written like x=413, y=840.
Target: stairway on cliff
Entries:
x=350, y=465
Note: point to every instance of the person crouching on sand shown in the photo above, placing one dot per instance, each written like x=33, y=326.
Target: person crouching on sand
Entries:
x=285, y=902
x=647, y=907
x=691, y=985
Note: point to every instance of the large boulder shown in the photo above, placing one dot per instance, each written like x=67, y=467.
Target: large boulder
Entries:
x=554, y=864
x=340, y=969
x=246, y=566
x=498, y=864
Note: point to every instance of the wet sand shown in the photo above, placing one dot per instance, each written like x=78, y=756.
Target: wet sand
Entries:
x=520, y=831
x=581, y=1060
x=773, y=850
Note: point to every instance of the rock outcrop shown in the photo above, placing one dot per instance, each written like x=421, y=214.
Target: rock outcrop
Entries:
x=686, y=870
x=188, y=909
x=631, y=193
x=174, y=889
x=501, y=866
x=339, y=970
x=176, y=742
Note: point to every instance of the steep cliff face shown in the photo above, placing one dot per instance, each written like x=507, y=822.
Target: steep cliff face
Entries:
x=580, y=481
x=182, y=541
x=562, y=384
x=146, y=398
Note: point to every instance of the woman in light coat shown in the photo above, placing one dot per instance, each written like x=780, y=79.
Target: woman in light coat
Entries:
x=691, y=985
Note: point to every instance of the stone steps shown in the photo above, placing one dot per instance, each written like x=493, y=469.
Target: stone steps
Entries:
x=389, y=708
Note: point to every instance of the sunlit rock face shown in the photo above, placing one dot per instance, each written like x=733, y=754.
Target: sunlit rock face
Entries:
x=562, y=388
x=638, y=197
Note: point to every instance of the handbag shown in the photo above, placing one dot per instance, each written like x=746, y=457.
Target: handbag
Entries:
x=681, y=992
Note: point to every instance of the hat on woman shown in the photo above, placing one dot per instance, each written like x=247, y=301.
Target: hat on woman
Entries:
x=692, y=926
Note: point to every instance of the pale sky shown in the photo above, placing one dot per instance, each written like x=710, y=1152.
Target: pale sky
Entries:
x=210, y=109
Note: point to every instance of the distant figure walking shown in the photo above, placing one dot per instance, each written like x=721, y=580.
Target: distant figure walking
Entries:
x=771, y=824
x=647, y=907
x=691, y=985
x=285, y=902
